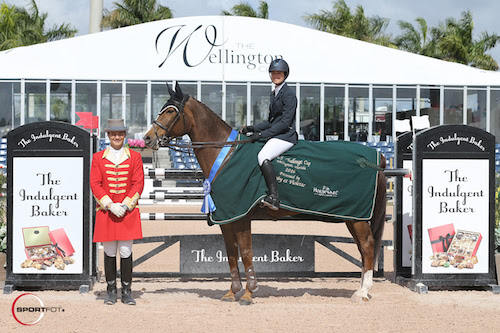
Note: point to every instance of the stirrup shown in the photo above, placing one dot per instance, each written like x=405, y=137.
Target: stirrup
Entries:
x=271, y=202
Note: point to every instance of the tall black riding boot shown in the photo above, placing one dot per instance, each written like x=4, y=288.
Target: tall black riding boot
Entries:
x=126, y=277
x=110, y=272
x=272, y=199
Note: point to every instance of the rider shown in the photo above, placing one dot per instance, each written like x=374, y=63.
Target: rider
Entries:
x=278, y=130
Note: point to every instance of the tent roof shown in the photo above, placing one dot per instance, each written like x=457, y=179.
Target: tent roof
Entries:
x=230, y=48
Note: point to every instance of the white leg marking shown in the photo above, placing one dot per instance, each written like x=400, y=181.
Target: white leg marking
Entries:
x=361, y=295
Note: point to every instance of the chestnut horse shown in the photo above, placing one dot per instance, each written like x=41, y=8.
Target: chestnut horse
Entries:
x=185, y=115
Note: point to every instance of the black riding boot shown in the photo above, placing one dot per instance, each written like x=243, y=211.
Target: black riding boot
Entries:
x=272, y=200
x=126, y=277
x=110, y=271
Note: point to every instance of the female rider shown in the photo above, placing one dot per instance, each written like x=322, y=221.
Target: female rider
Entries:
x=278, y=130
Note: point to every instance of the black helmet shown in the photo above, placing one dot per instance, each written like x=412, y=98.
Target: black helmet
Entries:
x=279, y=65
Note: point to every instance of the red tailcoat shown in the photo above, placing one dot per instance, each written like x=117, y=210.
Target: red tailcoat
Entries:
x=118, y=181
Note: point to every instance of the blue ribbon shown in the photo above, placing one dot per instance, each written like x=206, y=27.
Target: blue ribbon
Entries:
x=208, y=204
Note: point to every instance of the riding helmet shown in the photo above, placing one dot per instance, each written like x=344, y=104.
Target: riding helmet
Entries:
x=279, y=65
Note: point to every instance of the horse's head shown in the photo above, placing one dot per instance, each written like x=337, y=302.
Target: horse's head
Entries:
x=171, y=121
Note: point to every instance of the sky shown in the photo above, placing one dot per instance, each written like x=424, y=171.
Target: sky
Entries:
x=484, y=12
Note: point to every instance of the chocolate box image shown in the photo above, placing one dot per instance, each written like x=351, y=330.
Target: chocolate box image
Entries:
x=37, y=243
x=441, y=237
x=61, y=242
x=465, y=243
x=40, y=243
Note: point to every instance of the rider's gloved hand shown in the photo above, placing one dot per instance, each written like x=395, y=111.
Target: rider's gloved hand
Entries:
x=256, y=136
x=246, y=129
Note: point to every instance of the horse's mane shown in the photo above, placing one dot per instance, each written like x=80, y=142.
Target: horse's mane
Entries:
x=211, y=113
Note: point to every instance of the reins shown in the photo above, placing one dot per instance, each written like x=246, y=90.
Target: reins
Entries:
x=209, y=144
x=179, y=110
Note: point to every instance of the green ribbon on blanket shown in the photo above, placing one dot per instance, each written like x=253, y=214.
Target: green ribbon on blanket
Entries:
x=332, y=180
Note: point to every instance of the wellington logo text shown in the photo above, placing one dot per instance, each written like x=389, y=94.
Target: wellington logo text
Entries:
x=203, y=44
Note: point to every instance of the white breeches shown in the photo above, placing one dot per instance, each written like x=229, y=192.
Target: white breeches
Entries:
x=124, y=246
x=272, y=149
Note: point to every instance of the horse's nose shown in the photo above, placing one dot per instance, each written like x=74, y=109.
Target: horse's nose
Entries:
x=147, y=140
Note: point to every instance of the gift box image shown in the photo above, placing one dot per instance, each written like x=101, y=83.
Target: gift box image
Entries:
x=61, y=242
x=465, y=243
x=37, y=243
x=441, y=237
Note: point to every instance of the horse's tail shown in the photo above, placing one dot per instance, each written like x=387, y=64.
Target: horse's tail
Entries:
x=378, y=220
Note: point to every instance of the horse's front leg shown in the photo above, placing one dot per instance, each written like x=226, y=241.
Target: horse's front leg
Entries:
x=232, y=258
x=244, y=238
x=362, y=234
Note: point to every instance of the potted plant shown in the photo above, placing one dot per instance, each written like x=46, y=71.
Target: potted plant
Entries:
x=139, y=146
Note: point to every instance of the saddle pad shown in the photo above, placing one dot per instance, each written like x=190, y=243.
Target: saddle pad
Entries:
x=332, y=180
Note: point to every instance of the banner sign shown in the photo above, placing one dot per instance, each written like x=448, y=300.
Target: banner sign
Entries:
x=47, y=198
x=272, y=253
x=454, y=205
x=49, y=207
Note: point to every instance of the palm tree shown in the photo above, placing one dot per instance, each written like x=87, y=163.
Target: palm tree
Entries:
x=341, y=21
x=456, y=43
x=244, y=9
x=420, y=39
x=20, y=27
x=131, y=12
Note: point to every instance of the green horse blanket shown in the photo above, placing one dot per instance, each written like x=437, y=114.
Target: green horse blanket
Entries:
x=333, y=181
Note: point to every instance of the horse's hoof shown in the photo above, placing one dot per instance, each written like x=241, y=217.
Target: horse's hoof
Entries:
x=360, y=299
x=229, y=297
x=245, y=301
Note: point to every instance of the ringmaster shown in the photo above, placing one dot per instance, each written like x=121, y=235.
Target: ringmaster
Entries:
x=117, y=181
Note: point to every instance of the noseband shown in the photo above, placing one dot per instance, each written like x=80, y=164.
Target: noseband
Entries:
x=179, y=110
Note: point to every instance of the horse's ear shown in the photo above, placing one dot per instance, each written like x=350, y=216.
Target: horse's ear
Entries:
x=178, y=91
x=170, y=91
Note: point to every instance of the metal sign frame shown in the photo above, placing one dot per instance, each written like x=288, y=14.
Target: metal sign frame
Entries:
x=43, y=141
x=443, y=143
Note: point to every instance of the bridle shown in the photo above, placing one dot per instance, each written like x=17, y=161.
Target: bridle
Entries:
x=165, y=139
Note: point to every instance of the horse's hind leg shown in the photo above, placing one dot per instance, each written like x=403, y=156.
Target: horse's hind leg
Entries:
x=232, y=256
x=244, y=236
x=362, y=234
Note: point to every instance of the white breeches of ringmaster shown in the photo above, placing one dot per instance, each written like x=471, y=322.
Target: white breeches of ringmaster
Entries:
x=272, y=149
x=124, y=246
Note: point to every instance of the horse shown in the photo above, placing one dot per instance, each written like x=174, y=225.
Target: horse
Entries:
x=182, y=115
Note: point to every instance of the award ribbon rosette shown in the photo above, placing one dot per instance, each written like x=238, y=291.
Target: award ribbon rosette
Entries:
x=441, y=237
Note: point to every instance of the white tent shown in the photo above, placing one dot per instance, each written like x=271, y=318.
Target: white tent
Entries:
x=230, y=48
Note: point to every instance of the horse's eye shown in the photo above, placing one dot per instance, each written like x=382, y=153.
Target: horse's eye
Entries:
x=170, y=110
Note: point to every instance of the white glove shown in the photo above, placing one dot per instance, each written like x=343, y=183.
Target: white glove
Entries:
x=117, y=209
